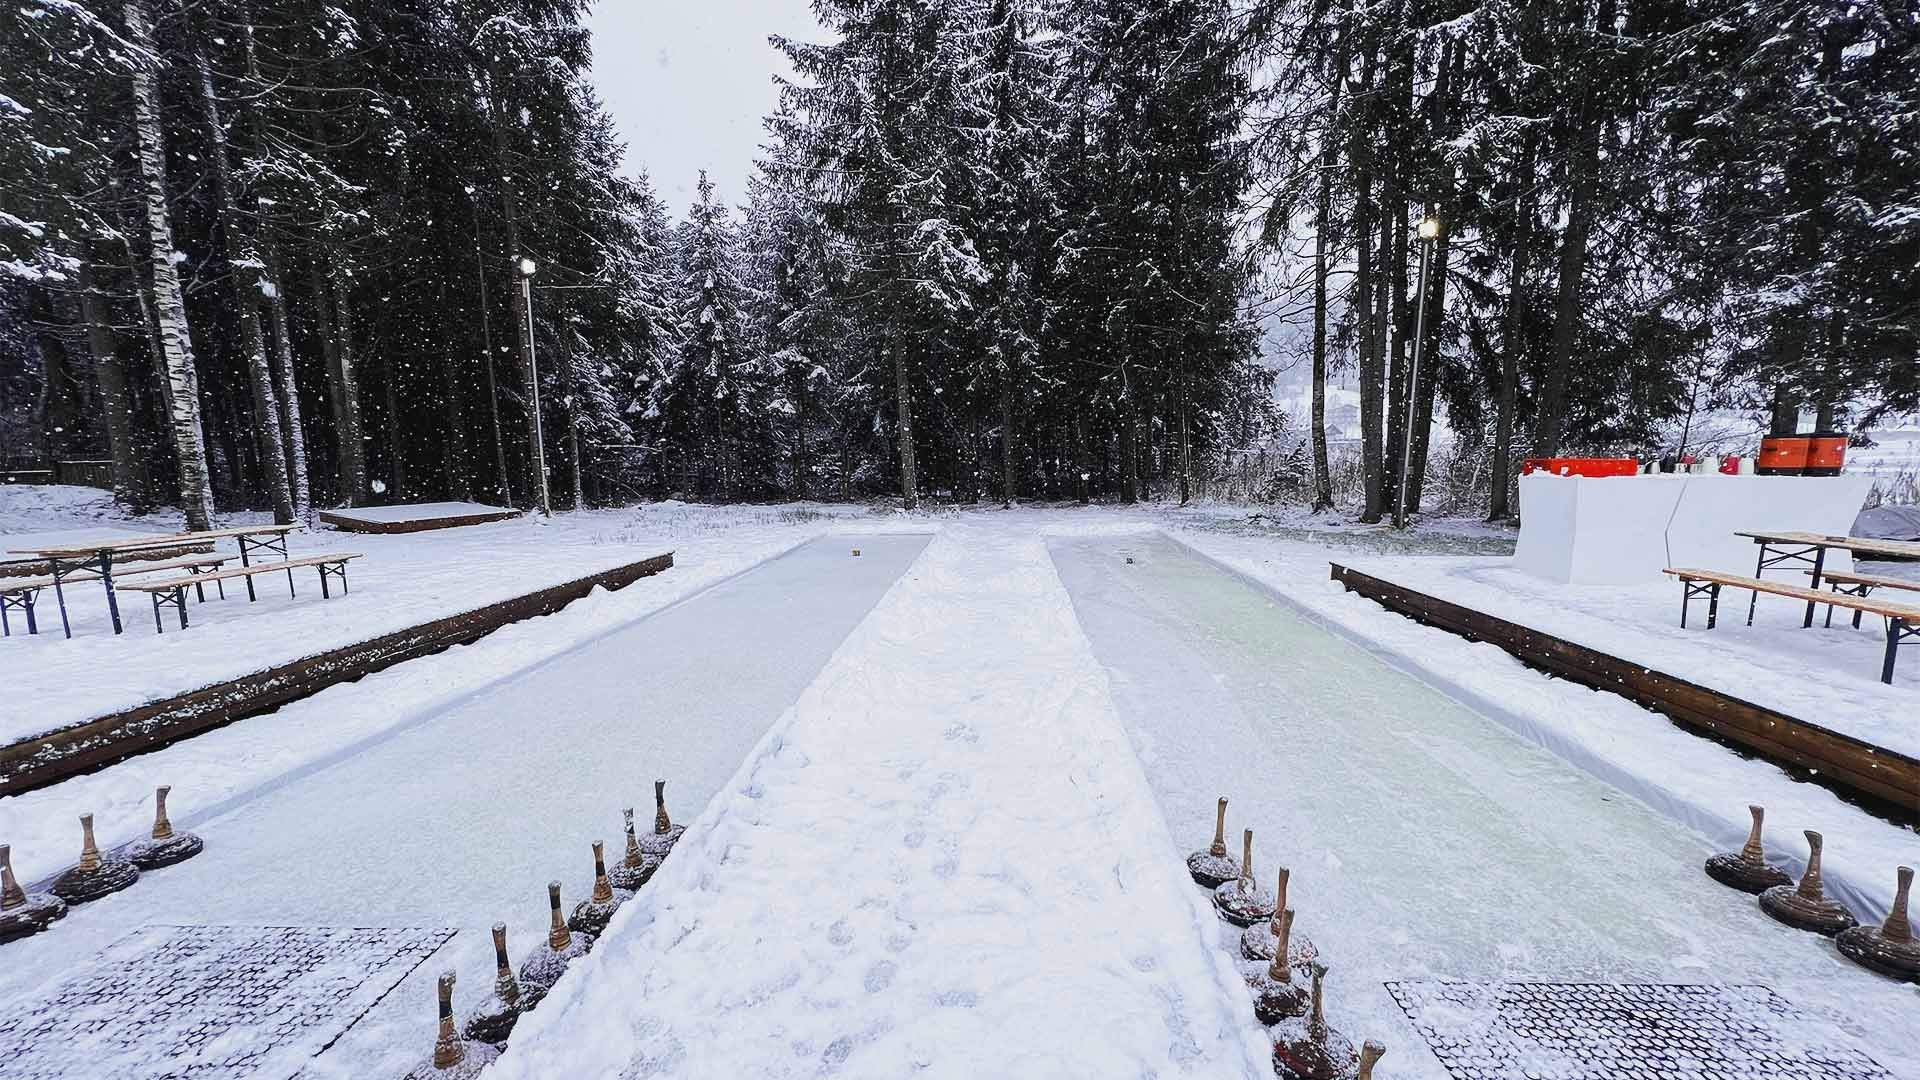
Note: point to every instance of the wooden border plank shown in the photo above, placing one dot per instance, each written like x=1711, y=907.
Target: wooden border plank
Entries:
x=55, y=756
x=347, y=523
x=1886, y=778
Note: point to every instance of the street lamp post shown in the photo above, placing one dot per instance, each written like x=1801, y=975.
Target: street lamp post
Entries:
x=1429, y=232
x=527, y=269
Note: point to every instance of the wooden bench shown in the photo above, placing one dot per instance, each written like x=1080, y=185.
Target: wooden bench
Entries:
x=1903, y=620
x=1862, y=585
x=174, y=590
x=23, y=594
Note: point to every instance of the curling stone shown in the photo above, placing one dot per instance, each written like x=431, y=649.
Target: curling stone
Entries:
x=1747, y=869
x=1277, y=995
x=665, y=833
x=1213, y=867
x=95, y=875
x=1889, y=948
x=590, y=916
x=165, y=847
x=1241, y=902
x=493, y=1021
x=636, y=870
x=1805, y=906
x=1310, y=1050
x=544, y=966
x=22, y=913
x=1257, y=941
x=453, y=1058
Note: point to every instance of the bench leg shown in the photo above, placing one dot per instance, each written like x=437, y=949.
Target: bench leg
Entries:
x=60, y=597
x=1819, y=564
x=1713, y=607
x=180, y=601
x=324, y=594
x=32, y=626
x=1754, y=601
x=290, y=591
x=199, y=589
x=6, y=629
x=158, y=626
x=222, y=586
x=1896, y=629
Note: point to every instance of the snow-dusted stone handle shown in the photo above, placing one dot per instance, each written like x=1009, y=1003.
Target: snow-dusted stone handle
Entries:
x=1219, y=848
x=1279, y=971
x=11, y=894
x=447, y=1051
x=502, y=966
x=1810, y=881
x=1898, y=927
x=89, y=851
x=1246, y=863
x=602, y=889
x=558, y=936
x=1751, y=851
x=162, y=828
x=1370, y=1052
x=1317, y=1022
x=662, y=824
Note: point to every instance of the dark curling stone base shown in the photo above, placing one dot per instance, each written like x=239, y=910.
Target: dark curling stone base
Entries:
x=1296, y=1056
x=1821, y=916
x=39, y=912
x=1243, y=908
x=154, y=854
x=1256, y=943
x=78, y=886
x=539, y=971
x=659, y=844
x=591, y=918
x=1211, y=871
x=1729, y=869
x=492, y=1021
x=1274, y=1001
x=631, y=878
x=479, y=1055
x=1870, y=947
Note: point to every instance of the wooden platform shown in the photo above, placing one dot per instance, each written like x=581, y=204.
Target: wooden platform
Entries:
x=56, y=756
x=1885, y=780
x=384, y=519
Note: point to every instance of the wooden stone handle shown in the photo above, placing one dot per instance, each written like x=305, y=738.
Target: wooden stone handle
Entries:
x=1810, y=881
x=633, y=860
x=502, y=965
x=1219, y=847
x=89, y=851
x=602, y=888
x=661, y=823
x=447, y=1050
x=11, y=894
x=1897, y=927
x=1280, y=890
x=558, y=936
x=1279, y=970
x=1246, y=862
x=1317, y=1022
x=1370, y=1052
x=1750, y=852
x=162, y=828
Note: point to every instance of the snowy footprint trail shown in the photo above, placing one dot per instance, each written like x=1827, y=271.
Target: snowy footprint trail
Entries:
x=944, y=862
x=459, y=817
x=1426, y=841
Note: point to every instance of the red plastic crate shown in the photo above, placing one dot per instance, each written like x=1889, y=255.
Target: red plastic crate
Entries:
x=1581, y=466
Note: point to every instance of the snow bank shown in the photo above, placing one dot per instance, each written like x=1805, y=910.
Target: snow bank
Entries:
x=944, y=860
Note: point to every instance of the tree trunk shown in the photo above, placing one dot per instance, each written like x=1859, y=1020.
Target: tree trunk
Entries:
x=344, y=386
x=1550, y=423
x=1507, y=393
x=189, y=441
x=1425, y=384
x=1323, y=220
x=288, y=392
x=903, y=389
x=570, y=410
x=129, y=471
x=1080, y=456
x=1007, y=483
x=245, y=266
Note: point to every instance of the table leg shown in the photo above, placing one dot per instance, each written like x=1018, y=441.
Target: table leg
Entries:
x=1713, y=606
x=158, y=626
x=180, y=601
x=1819, y=564
x=32, y=627
x=1896, y=629
x=1759, y=568
x=106, y=582
x=60, y=596
x=245, y=563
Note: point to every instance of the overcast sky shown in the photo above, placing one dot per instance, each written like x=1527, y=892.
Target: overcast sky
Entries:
x=688, y=81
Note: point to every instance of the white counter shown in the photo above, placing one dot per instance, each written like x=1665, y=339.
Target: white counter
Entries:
x=1624, y=530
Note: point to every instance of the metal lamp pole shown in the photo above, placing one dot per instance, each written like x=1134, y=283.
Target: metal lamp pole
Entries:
x=527, y=269
x=1429, y=232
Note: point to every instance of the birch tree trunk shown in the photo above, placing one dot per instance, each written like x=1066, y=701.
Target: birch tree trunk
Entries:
x=343, y=387
x=246, y=268
x=189, y=442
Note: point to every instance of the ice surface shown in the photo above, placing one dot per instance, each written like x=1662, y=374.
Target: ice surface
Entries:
x=460, y=816
x=943, y=863
x=1426, y=841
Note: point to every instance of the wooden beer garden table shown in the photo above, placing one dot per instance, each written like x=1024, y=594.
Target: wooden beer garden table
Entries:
x=1810, y=549
x=97, y=558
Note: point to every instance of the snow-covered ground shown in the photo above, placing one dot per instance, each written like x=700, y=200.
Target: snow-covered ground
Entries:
x=934, y=837
x=403, y=580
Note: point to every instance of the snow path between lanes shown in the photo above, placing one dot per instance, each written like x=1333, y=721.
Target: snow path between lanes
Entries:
x=943, y=861
x=1427, y=842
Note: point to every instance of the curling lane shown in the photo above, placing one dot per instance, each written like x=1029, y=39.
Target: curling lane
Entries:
x=1427, y=842
x=460, y=818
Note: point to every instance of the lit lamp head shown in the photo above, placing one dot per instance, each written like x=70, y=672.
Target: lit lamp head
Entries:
x=528, y=267
x=1429, y=228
